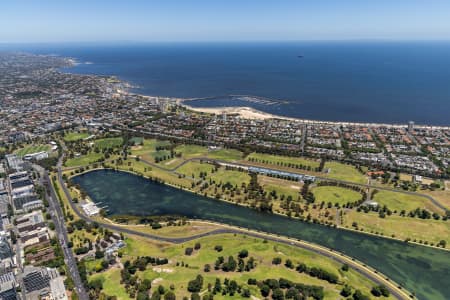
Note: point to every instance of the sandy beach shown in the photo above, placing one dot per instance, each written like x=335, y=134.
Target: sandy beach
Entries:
x=244, y=112
x=254, y=114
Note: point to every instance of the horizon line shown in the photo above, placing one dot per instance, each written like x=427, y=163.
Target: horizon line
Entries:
x=224, y=41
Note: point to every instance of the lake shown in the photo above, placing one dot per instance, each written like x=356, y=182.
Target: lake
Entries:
x=420, y=269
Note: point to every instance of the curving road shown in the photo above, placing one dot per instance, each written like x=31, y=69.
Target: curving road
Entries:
x=373, y=275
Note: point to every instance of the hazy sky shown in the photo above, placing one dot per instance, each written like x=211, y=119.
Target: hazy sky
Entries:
x=200, y=20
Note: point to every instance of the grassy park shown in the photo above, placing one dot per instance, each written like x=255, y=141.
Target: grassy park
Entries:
x=344, y=172
x=75, y=136
x=282, y=160
x=399, y=227
x=227, y=184
x=399, y=201
x=108, y=143
x=83, y=160
x=182, y=268
x=335, y=194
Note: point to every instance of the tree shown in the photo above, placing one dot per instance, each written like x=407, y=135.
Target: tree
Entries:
x=289, y=264
x=143, y=296
x=188, y=251
x=197, y=246
x=217, y=286
x=207, y=268
x=195, y=296
x=265, y=290
x=346, y=291
x=344, y=267
x=169, y=296
x=51, y=226
x=161, y=289
x=243, y=253
x=218, y=248
x=195, y=286
x=156, y=296
x=95, y=284
x=358, y=295
x=278, y=294
x=246, y=293
x=276, y=260
x=380, y=290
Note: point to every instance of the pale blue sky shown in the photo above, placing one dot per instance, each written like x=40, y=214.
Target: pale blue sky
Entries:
x=211, y=20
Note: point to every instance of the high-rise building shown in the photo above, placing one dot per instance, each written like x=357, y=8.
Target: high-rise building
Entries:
x=410, y=126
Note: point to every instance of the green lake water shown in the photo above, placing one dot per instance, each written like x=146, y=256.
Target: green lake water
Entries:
x=420, y=269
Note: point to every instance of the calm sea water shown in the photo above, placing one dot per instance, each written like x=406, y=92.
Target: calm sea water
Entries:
x=341, y=81
x=422, y=270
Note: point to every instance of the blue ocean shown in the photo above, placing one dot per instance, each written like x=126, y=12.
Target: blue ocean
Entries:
x=388, y=82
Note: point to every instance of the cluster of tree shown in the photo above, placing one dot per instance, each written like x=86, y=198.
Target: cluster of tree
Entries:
x=285, y=289
x=133, y=284
x=298, y=166
x=48, y=163
x=195, y=285
x=306, y=193
x=232, y=265
x=347, y=291
x=230, y=287
x=380, y=290
x=190, y=250
x=318, y=273
x=422, y=213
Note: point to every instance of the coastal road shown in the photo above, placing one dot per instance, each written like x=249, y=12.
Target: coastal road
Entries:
x=62, y=236
x=374, y=275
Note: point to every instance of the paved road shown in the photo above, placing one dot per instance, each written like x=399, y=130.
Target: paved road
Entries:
x=374, y=276
x=60, y=227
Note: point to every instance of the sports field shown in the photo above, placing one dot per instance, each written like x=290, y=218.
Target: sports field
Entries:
x=32, y=149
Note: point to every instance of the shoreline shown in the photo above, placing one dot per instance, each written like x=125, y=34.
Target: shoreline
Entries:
x=246, y=112
x=186, y=189
x=336, y=255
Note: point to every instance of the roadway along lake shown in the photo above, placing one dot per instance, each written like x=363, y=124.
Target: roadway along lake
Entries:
x=420, y=269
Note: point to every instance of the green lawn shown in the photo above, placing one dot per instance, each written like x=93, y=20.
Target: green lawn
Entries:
x=277, y=160
x=344, y=172
x=280, y=186
x=75, y=136
x=111, y=283
x=136, y=140
x=233, y=177
x=108, y=143
x=399, y=201
x=191, y=151
x=194, y=168
x=148, y=151
x=84, y=160
x=335, y=194
x=262, y=252
x=225, y=154
x=140, y=167
x=401, y=227
x=32, y=149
